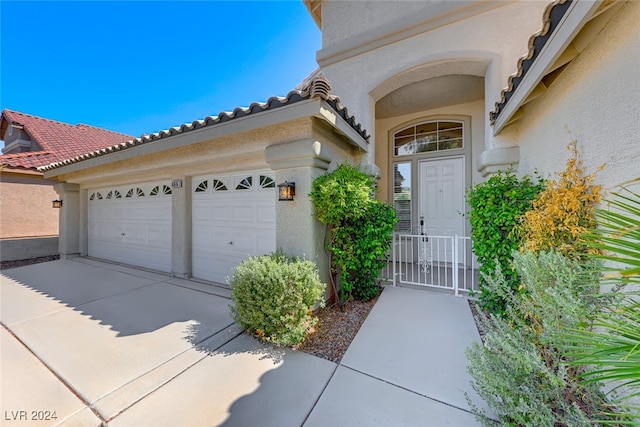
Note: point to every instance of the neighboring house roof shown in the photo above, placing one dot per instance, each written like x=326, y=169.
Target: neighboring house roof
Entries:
x=56, y=140
x=550, y=20
x=317, y=87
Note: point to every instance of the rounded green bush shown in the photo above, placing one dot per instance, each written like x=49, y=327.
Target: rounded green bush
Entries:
x=273, y=296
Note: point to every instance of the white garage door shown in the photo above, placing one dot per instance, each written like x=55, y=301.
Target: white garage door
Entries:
x=232, y=217
x=131, y=225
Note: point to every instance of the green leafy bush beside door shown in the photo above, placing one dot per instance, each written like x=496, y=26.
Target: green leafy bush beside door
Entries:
x=360, y=227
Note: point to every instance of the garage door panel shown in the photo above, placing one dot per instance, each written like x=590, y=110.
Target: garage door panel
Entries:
x=200, y=213
x=244, y=217
x=221, y=213
x=134, y=230
x=216, y=269
x=158, y=236
x=244, y=244
x=266, y=214
x=244, y=212
x=200, y=239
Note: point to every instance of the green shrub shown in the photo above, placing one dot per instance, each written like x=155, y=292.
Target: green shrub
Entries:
x=496, y=207
x=518, y=370
x=361, y=228
x=273, y=296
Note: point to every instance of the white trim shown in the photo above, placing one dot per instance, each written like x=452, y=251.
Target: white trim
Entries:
x=578, y=14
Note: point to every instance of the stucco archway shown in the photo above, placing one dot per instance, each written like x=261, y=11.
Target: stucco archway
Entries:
x=432, y=84
x=440, y=93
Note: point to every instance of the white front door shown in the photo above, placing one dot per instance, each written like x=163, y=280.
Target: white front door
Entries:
x=441, y=197
x=233, y=216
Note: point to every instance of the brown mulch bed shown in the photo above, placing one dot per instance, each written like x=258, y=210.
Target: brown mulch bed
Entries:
x=475, y=311
x=19, y=263
x=336, y=328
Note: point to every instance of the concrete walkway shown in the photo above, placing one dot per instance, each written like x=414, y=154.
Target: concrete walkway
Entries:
x=89, y=343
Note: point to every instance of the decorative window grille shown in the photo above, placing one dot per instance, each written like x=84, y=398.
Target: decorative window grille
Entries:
x=245, y=184
x=203, y=186
x=165, y=190
x=267, y=182
x=219, y=185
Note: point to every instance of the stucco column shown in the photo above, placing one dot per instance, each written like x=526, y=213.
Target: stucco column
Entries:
x=496, y=156
x=297, y=231
x=181, y=227
x=69, y=219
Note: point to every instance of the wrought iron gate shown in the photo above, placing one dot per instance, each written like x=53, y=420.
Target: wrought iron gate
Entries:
x=444, y=262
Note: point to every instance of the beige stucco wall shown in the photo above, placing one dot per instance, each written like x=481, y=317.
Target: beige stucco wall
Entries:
x=344, y=19
x=200, y=155
x=297, y=150
x=25, y=205
x=487, y=44
x=596, y=100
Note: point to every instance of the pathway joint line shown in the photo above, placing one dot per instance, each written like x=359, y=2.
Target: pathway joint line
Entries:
x=159, y=386
x=408, y=389
x=335, y=369
x=75, y=392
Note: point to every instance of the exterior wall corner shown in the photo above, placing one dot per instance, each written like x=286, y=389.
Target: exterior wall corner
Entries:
x=69, y=219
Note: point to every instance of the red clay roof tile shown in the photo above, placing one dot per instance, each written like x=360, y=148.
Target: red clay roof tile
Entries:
x=58, y=140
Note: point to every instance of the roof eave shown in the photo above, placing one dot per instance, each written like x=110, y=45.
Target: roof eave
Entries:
x=313, y=107
x=21, y=170
x=315, y=10
x=577, y=15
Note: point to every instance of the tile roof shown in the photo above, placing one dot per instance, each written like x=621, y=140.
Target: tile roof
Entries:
x=316, y=88
x=57, y=140
x=552, y=16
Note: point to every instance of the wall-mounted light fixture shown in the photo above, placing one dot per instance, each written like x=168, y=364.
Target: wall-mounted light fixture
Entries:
x=286, y=191
x=57, y=204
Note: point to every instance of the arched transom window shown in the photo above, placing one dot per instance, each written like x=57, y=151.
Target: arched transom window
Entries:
x=427, y=137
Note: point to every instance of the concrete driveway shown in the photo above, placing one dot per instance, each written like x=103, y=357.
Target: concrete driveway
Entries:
x=89, y=343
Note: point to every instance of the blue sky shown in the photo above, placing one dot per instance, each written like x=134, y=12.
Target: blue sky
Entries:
x=139, y=67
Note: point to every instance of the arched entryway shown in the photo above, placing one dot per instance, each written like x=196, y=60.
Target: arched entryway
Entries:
x=429, y=130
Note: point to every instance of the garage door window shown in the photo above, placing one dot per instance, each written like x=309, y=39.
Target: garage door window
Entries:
x=267, y=182
x=114, y=195
x=202, y=187
x=131, y=193
x=219, y=185
x=245, y=184
x=155, y=191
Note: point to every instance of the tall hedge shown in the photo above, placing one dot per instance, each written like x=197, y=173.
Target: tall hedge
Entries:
x=360, y=227
x=496, y=208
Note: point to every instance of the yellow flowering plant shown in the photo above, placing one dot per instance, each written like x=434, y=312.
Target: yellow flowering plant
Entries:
x=563, y=213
